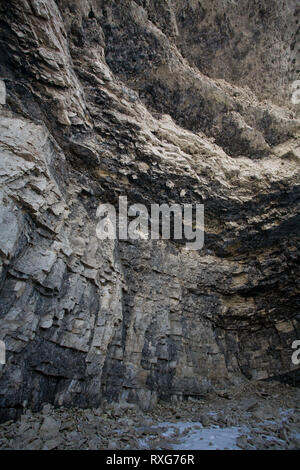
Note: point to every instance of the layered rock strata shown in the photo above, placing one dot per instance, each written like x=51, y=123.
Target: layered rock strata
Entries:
x=142, y=99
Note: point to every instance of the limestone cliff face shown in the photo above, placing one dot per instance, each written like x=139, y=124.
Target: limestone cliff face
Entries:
x=161, y=101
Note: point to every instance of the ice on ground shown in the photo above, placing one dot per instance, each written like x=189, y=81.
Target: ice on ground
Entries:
x=199, y=438
x=191, y=435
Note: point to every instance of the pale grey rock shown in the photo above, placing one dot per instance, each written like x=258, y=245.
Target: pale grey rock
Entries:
x=250, y=405
x=110, y=99
x=9, y=227
x=50, y=427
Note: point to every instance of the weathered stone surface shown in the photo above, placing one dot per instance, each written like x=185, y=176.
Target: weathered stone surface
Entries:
x=113, y=98
x=273, y=425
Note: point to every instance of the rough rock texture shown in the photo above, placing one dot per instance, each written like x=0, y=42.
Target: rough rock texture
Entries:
x=143, y=99
x=258, y=416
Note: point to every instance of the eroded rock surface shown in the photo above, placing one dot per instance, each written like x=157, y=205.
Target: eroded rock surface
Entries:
x=102, y=99
x=258, y=416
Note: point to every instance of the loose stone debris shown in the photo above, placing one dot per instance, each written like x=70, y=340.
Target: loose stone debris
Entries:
x=259, y=416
